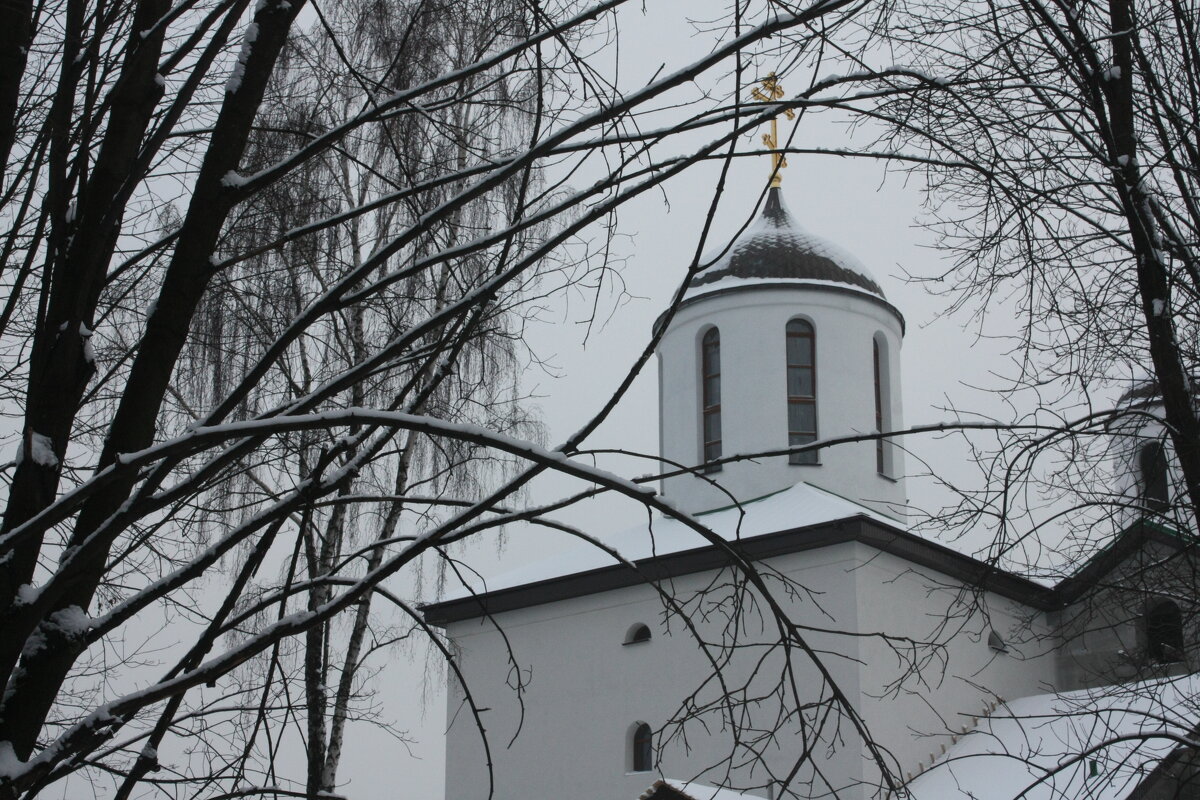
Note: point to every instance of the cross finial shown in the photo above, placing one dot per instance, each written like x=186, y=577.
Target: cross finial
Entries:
x=769, y=91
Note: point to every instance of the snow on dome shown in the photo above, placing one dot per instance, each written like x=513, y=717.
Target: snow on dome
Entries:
x=775, y=248
x=1145, y=391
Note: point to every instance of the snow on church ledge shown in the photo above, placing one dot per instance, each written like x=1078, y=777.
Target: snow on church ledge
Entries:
x=668, y=789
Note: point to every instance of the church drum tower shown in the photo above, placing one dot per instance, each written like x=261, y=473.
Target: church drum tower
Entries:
x=784, y=339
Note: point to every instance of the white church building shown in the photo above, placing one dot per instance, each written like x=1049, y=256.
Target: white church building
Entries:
x=861, y=660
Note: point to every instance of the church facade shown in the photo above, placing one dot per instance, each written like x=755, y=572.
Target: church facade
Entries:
x=857, y=660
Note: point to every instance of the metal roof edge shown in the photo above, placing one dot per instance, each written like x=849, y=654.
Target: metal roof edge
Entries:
x=788, y=284
x=1107, y=558
x=859, y=528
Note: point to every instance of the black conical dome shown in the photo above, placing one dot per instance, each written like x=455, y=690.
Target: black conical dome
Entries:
x=774, y=247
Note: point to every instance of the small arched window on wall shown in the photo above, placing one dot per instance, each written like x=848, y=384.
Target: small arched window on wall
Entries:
x=710, y=404
x=638, y=634
x=1152, y=463
x=642, y=745
x=1164, y=632
x=801, y=389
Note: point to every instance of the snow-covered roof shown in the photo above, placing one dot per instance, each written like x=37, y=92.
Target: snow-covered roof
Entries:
x=775, y=248
x=799, y=518
x=799, y=506
x=1097, y=744
x=692, y=791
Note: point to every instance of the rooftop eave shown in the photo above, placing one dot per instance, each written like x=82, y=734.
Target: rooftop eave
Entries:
x=860, y=528
x=746, y=285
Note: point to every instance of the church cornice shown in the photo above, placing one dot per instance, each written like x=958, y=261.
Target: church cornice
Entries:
x=801, y=285
x=861, y=529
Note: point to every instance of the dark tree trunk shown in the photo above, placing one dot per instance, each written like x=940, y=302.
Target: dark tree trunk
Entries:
x=1152, y=270
x=16, y=35
x=32, y=690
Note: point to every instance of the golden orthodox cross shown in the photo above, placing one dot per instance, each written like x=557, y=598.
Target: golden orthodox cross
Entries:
x=769, y=92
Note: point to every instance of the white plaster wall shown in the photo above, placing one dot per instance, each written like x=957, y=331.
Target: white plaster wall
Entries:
x=754, y=394
x=585, y=689
x=917, y=711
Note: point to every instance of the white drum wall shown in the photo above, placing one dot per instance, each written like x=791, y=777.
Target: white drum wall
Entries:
x=751, y=321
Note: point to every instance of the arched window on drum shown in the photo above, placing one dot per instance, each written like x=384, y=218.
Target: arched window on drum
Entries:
x=1152, y=461
x=881, y=370
x=801, y=389
x=710, y=403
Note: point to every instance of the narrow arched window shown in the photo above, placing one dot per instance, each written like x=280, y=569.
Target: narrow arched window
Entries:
x=643, y=748
x=879, y=460
x=637, y=634
x=881, y=367
x=1152, y=461
x=1164, y=632
x=710, y=382
x=801, y=389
